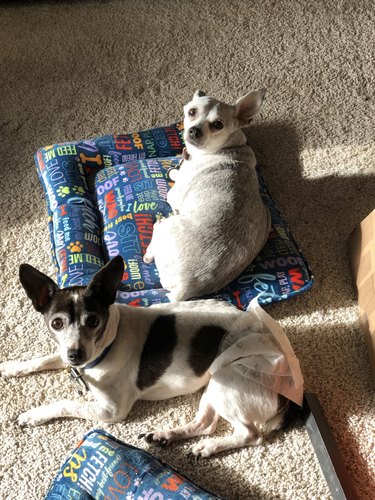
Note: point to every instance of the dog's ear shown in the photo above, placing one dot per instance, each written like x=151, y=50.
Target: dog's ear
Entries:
x=248, y=106
x=199, y=93
x=38, y=287
x=106, y=281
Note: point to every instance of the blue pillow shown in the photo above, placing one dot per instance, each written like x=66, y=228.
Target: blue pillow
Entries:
x=102, y=466
x=103, y=197
x=130, y=198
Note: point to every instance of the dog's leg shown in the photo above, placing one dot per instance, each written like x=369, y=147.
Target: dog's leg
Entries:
x=226, y=393
x=149, y=256
x=203, y=424
x=100, y=411
x=250, y=408
x=19, y=368
x=243, y=435
x=63, y=408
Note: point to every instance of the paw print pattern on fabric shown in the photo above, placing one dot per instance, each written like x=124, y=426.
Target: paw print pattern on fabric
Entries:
x=78, y=190
x=75, y=247
x=63, y=191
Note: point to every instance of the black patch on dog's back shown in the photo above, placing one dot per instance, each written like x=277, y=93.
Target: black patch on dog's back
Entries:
x=204, y=347
x=157, y=351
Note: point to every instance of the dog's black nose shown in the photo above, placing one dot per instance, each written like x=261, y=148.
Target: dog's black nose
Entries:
x=195, y=132
x=75, y=356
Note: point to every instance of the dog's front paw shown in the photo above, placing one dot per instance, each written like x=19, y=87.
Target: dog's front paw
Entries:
x=10, y=369
x=148, y=259
x=32, y=418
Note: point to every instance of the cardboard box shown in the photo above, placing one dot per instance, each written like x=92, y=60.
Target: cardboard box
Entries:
x=361, y=245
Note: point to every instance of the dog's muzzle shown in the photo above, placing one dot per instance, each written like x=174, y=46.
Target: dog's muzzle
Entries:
x=194, y=133
x=76, y=356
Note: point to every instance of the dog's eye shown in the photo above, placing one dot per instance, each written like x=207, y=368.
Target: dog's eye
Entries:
x=218, y=124
x=92, y=321
x=192, y=112
x=57, y=324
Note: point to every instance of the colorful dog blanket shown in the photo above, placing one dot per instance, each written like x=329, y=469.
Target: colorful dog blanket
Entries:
x=102, y=467
x=103, y=196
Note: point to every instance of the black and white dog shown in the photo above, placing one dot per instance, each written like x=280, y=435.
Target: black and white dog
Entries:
x=124, y=354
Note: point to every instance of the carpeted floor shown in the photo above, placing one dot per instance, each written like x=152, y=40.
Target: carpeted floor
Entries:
x=71, y=70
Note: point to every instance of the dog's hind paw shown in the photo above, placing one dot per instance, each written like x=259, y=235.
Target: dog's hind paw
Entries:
x=155, y=438
x=204, y=449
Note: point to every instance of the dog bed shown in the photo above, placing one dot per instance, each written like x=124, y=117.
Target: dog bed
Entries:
x=103, y=196
x=102, y=466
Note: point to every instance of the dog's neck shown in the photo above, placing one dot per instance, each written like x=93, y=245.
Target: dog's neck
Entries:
x=236, y=139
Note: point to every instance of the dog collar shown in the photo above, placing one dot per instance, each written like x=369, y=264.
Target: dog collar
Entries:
x=77, y=376
x=171, y=170
x=99, y=359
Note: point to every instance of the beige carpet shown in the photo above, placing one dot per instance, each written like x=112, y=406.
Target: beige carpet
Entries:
x=71, y=70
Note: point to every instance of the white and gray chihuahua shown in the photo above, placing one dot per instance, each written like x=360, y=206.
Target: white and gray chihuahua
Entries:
x=219, y=222
x=123, y=354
